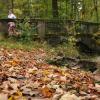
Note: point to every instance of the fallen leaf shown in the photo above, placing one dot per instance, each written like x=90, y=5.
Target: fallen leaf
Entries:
x=3, y=96
x=69, y=96
x=47, y=92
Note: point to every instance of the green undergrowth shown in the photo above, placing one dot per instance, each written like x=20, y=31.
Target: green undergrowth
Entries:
x=66, y=49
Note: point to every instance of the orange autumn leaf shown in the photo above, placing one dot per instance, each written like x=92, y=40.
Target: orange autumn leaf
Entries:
x=47, y=92
x=13, y=62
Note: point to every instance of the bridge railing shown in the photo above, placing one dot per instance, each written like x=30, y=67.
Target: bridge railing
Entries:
x=49, y=26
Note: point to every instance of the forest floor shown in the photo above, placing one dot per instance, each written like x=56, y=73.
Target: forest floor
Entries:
x=25, y=75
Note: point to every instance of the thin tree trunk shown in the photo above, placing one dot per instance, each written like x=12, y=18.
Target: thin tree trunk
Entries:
x=12, y=5
x=55, y=8
x=96, y=9
x=67, y=13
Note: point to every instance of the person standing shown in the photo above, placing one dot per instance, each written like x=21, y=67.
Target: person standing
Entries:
x=11, y=25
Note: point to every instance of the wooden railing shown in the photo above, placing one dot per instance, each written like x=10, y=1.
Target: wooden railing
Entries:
x=44, y=26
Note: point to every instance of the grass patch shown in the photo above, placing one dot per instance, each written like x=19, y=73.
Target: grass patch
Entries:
x=66, y=48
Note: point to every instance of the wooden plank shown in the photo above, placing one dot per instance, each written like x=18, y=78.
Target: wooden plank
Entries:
x=51, y=20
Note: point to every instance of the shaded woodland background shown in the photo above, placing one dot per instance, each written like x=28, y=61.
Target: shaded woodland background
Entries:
x=87, y=10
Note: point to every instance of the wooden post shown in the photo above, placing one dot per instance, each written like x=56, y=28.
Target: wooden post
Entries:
x=41, y=29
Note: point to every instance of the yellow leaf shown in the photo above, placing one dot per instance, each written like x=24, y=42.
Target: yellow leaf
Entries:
x=46, y=72
x=11, y=98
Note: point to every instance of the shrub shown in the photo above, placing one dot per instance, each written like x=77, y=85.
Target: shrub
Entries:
x=26, y=30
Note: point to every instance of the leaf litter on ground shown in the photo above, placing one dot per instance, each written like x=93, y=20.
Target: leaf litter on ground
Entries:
x=25, y=75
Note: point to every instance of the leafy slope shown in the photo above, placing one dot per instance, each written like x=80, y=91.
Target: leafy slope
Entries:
x=25, y=75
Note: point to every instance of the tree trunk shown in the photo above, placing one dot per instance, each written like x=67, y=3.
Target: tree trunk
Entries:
x=12, y=5
x=55, y=8
x=96, y=9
